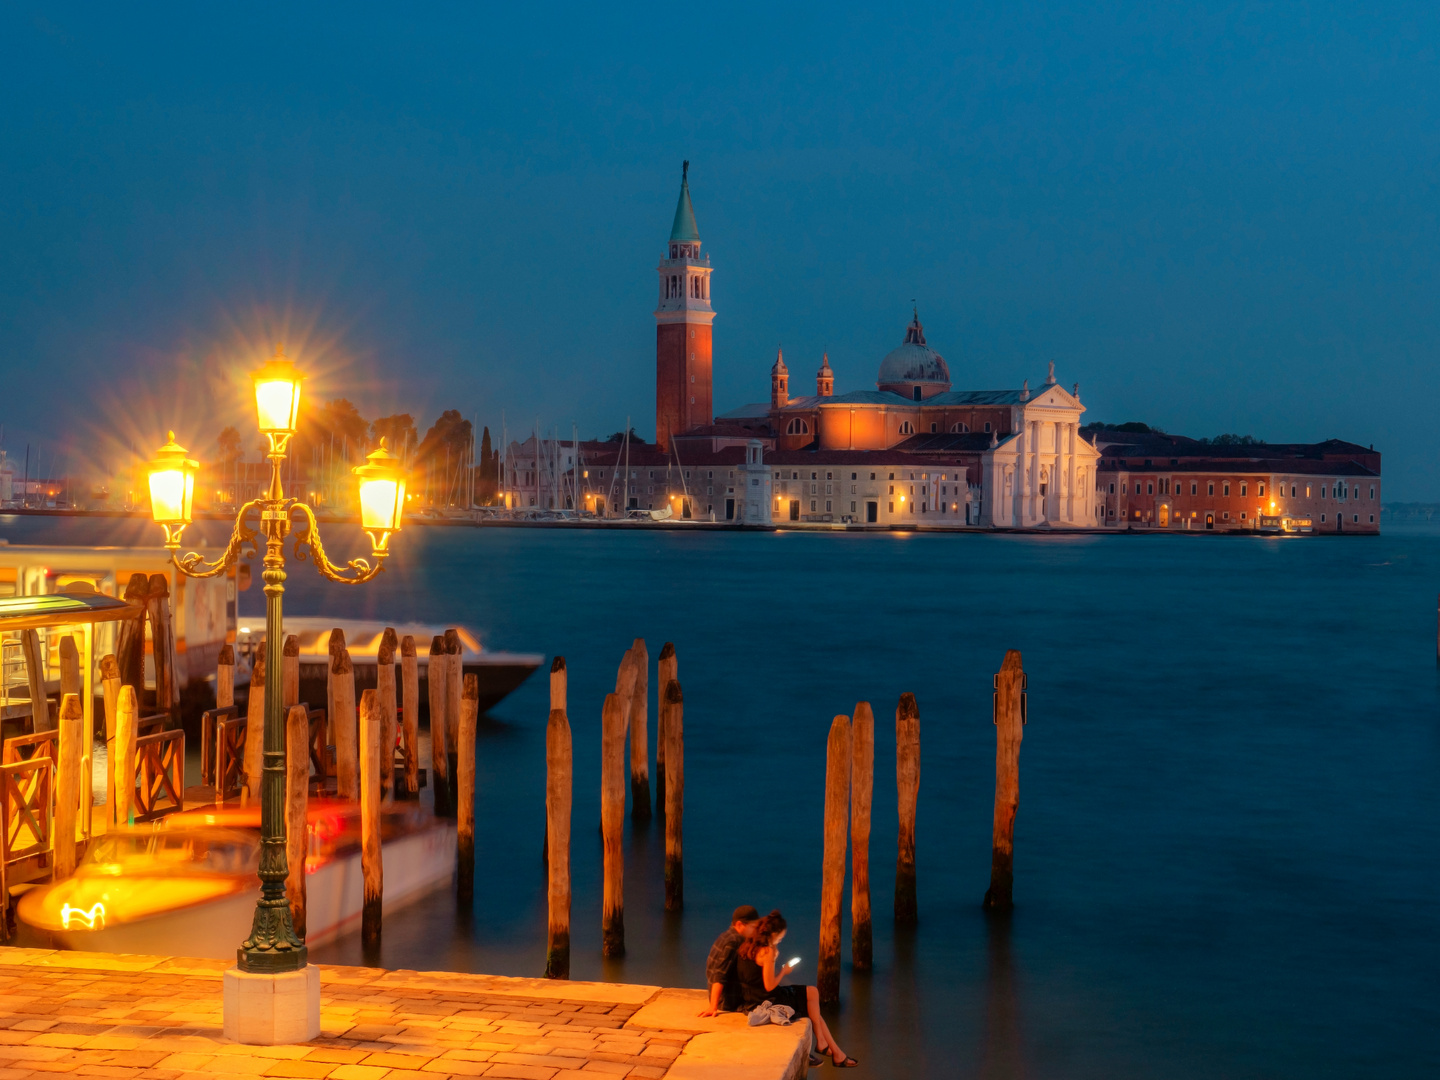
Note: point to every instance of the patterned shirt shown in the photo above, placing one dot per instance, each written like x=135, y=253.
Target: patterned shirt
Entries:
x=720, y=968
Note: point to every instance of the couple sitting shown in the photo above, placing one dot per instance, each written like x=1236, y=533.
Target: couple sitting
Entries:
x=742, y=973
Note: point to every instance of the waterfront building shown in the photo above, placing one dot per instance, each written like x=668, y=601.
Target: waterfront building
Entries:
x=1150, y=480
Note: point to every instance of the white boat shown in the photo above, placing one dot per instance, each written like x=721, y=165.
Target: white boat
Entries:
x=187, y=886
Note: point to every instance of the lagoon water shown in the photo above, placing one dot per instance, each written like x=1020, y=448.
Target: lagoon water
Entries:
x=1226, y=847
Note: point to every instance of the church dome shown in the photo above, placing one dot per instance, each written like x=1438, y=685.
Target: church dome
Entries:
x=914, y=365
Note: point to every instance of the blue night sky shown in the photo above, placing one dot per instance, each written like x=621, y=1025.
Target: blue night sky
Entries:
x=1214, y=218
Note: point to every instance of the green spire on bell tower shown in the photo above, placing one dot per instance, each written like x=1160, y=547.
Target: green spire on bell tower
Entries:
x=684, y=230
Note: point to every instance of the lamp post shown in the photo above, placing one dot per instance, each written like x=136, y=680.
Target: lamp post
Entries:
x=273, y=947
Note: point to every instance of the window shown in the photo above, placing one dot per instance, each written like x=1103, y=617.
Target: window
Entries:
x=892, y=489
x=892, y=508
x=1322, y=518
x=854, y=476
x=872, y=476
x=917, y=393
x=687, y=474
x=829, y=476
x=1227, y=515
x=1112, y=489
x=827, y=506
x=1227, y=487
x=797, y=427
x=1260, y=490
x=892, y=476
x=1149, y=489
x=812, y=506
x=934, y=427
x=852, y=507
x=813, y=487
x=1242, y=489
x=959, y=429
x=987, y=427
x=814, y=476
x=906, y=428
x=1211, y=487
x=1122, y=487
x=852, y=487
x=1372, y=495
x=1357, y=519
x=1242, y=515
x=794, y=475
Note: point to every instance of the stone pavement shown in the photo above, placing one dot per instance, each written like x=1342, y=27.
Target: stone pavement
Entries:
x=109, y=1015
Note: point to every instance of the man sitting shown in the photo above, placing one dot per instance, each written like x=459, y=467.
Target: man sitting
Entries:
x=720, y=964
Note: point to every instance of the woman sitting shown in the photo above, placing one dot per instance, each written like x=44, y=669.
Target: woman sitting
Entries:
x=760, y=982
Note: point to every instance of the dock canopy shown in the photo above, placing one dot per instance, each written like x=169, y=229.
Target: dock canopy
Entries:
x=62, y=609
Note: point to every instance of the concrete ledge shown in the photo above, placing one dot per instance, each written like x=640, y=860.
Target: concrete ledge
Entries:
x=725, y=1046
x=760, y=1053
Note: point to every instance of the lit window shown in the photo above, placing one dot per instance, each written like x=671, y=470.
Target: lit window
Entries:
x=907, y=428
x=797, y=427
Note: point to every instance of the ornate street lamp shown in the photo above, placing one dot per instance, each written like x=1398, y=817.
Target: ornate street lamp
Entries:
x=272, y=947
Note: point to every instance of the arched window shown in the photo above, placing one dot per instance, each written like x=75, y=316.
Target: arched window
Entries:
x=934, y=427
x=797, y=427
x=959, y=429
x=907, y=428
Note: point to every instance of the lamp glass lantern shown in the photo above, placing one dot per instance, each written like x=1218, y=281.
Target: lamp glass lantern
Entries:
x=382, y=495
x=277, y=399
x=172, y=488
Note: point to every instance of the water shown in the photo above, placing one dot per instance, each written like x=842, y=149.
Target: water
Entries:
x=1225, y=849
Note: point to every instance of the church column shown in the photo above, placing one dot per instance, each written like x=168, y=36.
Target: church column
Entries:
x=1017, y=495
x=1070, y=436
x=1034, y=492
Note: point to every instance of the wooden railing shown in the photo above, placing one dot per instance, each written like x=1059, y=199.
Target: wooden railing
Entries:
x=229, y=775
x=45, y=744
x=26, y=825
x=148, y=725
x=208, y=722
x=159, y=774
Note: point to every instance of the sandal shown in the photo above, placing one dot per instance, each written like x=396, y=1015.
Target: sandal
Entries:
x=848, y=1063
x=816, y=1060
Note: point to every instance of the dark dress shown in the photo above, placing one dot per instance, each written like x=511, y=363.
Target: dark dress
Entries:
x=753, y=992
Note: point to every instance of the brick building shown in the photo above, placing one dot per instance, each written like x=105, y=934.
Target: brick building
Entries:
x=1171, y=482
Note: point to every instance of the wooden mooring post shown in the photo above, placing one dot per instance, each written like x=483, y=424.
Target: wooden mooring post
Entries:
x=130, y=637
x=862, y=787
x=1009, y=730
x=371, y=868
x=640, y=733
x=832, y=885
x=224, y=676
x=68, y=779
x=290, y=671
x=35, y=676
x=389, y=710
x=454, y=689
x=344, y=726
x=907, y=784
x=297, y=797
x=410, y=714
x=559, y=773
x=673, y=708
x=435, y=681
x=465, y=775
x=666, y=671
x=122, y=761
x=612, y=823
x=110, y=688
x=255, y=728
x=335, y=644
x=162, y=646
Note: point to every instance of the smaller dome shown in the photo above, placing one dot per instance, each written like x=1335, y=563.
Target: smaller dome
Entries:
x=913, y=363
x=825, y=371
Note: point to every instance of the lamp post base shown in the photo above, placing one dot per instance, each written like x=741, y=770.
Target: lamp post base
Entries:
x=270, y=1010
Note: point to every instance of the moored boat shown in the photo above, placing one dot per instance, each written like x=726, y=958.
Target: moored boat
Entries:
x=187, y=885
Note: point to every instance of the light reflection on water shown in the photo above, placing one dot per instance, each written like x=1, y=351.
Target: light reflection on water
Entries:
x=1225, y=845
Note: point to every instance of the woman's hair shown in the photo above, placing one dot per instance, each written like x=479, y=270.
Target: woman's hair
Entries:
x=765, y=932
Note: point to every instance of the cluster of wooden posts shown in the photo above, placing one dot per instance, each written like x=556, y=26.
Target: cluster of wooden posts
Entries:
x=386, y=717
x=626, y=711
x=46, y=812
x=849, y=787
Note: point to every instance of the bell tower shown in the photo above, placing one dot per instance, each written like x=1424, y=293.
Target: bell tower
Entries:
x=682, y=328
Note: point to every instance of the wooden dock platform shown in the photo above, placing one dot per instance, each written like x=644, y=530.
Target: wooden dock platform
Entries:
x=117, y=1015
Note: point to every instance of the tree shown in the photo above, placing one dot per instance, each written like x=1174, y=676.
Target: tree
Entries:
x=398, y=430
x=232, y=449
x=1234, y=440
x=438, y=458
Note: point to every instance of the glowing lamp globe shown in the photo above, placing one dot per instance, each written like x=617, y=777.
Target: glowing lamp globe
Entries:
x=382, y=495
x=172, y=489
x=277, y=398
